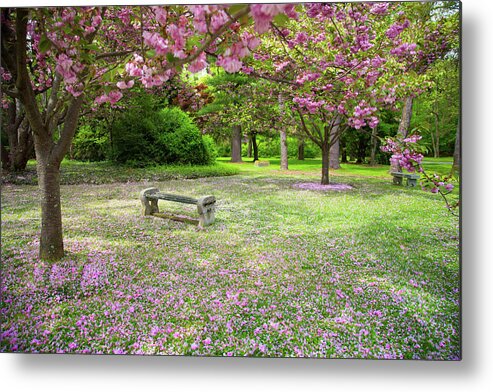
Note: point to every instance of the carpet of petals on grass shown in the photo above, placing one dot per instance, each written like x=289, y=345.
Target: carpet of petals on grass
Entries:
x=134, y=285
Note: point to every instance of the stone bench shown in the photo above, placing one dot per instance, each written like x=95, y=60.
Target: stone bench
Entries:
x=411, y=179
x=205, y=206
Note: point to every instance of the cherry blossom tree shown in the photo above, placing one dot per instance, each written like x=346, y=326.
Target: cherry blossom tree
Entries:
x=78, y=55
x=338, y=64
x=434, y=29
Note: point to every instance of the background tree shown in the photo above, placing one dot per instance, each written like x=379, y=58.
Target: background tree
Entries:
x=437, y=110
x=434, y=29
x=17, y=139
x=228, y=92
x=337, y=63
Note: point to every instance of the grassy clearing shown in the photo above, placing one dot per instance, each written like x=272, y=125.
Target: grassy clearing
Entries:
x=368, y=273
x=313, y=166
x=74, y=172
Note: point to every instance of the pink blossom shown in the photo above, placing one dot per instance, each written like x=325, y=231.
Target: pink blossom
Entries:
x=133, y=70
x=101, y=99
x=379, y=8
x=5, y=74
x=230, y=64
x=114, y=96
x=154, y=40
x=64, y=68
x=264, y=13
x=218, y=20
x=96, y=21
x=124, y=85
x=161, y=15
x=198, y=64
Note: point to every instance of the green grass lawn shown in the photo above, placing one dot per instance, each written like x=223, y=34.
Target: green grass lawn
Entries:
x=441, y=166
x=372, y=272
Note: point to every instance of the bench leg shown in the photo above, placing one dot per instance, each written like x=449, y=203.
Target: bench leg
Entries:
x=397, y=180
x=149, y=206
x=411, y=182
x=206, y=212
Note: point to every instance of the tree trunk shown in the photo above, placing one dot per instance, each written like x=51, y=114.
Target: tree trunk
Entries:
x=51, y=241
x=49, y=153
x=437, y=137
x=20, y=139
x=407, y=112
x=362, y=144
x=236, y=144
x=343, y=148
x=402, y=132
x=301, y=150
x=325, y=164
x=249, y=150
x=374, y=142
x=284, y=149
x=334, y=151
x=23, y=150
x=457, y=151
x=284, y=139
x=254, y=146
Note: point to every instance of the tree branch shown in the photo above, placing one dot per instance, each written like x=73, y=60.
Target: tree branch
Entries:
x=308, y=133
x=23, y=82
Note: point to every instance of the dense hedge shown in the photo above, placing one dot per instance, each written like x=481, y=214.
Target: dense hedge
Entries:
x=91, y=143
x=165, y=137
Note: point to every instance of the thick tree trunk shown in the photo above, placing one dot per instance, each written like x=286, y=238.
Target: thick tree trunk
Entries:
x=51, y=241
x=402, y=132
x=325, y=164
x=254, y=146
x=374, y=143
x=457, y=151
x=334, y=148
x=236, y=144
x=49, y=153
x=23, y=149
x=284, y=149
x=407, y=112
x=5, y=158
x=301, y=150
x=20, y=139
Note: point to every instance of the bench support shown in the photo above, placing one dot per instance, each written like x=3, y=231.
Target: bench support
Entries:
x=411, y=179
x=149, y=206
x=205, y=205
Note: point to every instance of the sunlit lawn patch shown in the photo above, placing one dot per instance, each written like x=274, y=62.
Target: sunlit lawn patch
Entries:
x=369, y=272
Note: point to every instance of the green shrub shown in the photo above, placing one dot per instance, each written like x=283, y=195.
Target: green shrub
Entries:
x=90, y=144
x=271, y=147
x=224, y=149
x=210, y=147
x=143, y=137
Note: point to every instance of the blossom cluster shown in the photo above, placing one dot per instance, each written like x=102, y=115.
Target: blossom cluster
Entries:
x=402, y=154
x=405, y=155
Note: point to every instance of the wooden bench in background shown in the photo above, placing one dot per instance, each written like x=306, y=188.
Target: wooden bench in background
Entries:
x=411, y=179
x=205, y=206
